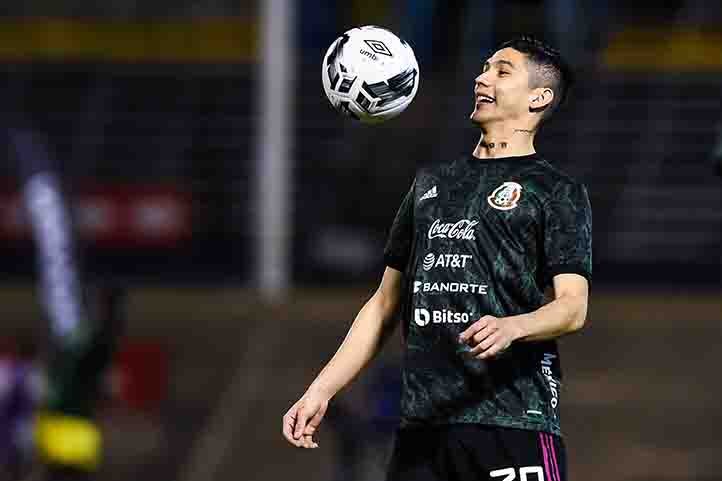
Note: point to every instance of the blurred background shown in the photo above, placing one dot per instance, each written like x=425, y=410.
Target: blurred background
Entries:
x=230, y=224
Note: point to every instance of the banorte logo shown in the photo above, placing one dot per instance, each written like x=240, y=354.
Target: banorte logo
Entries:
x=461, y=230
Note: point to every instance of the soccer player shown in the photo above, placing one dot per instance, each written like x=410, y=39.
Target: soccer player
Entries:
x=475, y=245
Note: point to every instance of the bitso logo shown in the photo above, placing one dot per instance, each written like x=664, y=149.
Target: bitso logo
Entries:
x=423, y=317
x=461, y=230
x=448, y=261
x=506, y=196
x=379, y=47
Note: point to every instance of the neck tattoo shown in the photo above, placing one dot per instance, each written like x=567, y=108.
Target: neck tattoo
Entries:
x=492, y=145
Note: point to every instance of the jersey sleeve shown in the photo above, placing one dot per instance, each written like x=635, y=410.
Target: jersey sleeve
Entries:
x=400, y=240
x=567, y=234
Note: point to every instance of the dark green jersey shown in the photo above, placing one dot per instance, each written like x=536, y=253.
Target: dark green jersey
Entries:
x=477, y=237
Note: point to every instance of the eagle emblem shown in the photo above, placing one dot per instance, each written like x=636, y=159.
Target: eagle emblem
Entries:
x=506, y=196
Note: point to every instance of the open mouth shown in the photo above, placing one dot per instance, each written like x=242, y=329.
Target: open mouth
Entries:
x=484, y=99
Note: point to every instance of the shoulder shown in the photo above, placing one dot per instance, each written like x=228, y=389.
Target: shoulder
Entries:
x=553, y=181
x=554, y=174
x=442, y=169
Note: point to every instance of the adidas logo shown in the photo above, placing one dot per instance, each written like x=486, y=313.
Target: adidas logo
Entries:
x=430, y=194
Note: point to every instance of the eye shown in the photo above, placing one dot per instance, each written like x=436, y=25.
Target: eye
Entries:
x=503, y=73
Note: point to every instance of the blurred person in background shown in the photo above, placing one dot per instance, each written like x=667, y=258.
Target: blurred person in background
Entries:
x=371, y=416
x=18, y=397
x=67, y=438
x=489, y=260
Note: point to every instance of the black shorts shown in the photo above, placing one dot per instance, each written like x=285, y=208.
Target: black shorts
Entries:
x=474, y=452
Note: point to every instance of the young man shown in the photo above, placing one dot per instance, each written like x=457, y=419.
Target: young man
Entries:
x=473, y=248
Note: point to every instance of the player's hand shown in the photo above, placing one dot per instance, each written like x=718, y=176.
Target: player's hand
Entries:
x=301, y=421
x=489, y=336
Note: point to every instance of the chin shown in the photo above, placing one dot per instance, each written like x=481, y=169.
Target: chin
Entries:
x=478, y=118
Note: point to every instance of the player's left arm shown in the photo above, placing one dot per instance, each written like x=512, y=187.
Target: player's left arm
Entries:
x=565, y=314
x=566, y=266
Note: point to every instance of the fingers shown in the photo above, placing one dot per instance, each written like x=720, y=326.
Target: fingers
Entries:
x=479, y=331
x=483, y=335
x=297, y=431
x=308, y=442
x=490, y=347
x=289, y=423
x=493, y=345
x=470, y=331
x=485, y=344
x=312, y=427
x=487, y=337
x=301, y=418
x=493, y=350
x=315, y=421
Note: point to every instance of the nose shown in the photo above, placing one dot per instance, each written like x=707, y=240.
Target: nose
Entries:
x=480, y=80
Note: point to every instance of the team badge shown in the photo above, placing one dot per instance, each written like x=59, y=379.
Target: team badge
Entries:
x=506, y=196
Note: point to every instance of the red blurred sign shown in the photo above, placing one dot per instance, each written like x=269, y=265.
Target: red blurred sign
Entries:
x=140, y=375
x=114, y=216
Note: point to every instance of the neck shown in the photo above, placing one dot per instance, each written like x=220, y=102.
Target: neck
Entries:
x=504, y=141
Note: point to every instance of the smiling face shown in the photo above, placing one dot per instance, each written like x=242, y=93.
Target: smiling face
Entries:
x=503, y=91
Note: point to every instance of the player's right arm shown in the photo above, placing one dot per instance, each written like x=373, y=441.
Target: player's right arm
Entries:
x=374, y=323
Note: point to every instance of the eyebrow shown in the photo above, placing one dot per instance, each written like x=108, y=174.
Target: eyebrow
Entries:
x=505, y=62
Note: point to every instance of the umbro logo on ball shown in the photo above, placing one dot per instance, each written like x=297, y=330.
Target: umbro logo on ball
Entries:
x=378, y=47
x=370, y=74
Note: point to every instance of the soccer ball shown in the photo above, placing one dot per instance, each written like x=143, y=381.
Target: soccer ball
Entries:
x=370, y=74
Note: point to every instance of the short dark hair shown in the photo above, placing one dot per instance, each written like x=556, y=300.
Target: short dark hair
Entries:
x=548, y=68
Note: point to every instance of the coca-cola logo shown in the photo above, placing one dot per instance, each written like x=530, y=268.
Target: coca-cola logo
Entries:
x=461, y=230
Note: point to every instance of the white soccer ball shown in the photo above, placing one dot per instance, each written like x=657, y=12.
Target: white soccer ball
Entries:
x=370, y=74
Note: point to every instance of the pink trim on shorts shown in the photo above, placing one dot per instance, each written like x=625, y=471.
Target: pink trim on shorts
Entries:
x=554, y=456
x=547, y=470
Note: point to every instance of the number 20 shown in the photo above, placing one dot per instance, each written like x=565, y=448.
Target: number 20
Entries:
x=524, y=472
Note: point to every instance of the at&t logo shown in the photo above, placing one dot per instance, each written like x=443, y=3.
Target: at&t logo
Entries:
x=448, y=261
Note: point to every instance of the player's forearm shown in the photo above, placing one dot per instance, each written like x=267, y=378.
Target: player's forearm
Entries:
x=564, y=315
x=364, y=340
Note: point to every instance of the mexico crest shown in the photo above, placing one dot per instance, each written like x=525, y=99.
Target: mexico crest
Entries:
x=506, y=196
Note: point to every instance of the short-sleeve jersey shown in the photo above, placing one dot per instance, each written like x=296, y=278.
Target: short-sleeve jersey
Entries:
x=476, y=237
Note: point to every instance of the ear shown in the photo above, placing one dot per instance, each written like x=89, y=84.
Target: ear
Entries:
x=540, y=98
